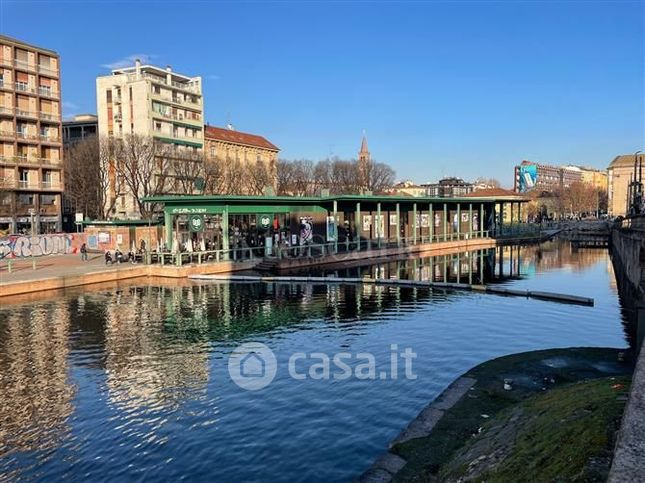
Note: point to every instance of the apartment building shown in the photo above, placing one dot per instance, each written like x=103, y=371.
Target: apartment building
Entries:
x=31, y=155
x=154, y=102
x=544, y=177
x=621, y=171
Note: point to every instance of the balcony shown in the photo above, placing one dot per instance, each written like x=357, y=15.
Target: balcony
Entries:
x=29, y=161
x=49, y=139
x=178, y=118
x=24, y=87
x=48, y=116
x=48, y=209
x=47, y=92
x=6, y=134
x=7, y=183
x=22, y=64
x=27, y=136
x=188, y=86
x=7, y=210
x=47, y=71
x=6, y=62
x=176, y=100
x=27, y=185
x=6, y=111
x=26, y=114
x=5, y=85
x=25, y=209
x=50, y=185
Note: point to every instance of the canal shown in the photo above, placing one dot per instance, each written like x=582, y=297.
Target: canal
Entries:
x=133, y=383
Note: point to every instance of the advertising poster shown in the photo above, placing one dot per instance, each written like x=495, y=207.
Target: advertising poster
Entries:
x=306, y=230
x=367, y=222
x=528, y=177
x=380, y=225
x=475, y=222
x=331, y=229
x=425, y=220
x=393, y=221
x=437, y=220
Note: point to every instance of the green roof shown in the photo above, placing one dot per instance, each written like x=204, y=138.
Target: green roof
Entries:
x=330, y=198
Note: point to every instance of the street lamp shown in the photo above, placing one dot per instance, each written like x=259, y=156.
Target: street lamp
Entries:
x=637, y=186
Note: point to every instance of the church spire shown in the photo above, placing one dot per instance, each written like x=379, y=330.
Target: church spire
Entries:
x=364, y=153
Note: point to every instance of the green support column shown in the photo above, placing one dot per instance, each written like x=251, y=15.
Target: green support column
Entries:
x=414, y=223
x=458, y=221
x=167, y=224
x=357, y=222
x=470, y=221
x=336, y=225
x=445, y=221
x=225, y=240
x=519, y=212
x=501, y=218
x=431, y=222
x=512, y=218
x=377, y=228
x=398, y=225
x=481, y=220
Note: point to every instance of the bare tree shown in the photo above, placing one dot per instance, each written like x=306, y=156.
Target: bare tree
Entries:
x=284, y=177
x=259, y=176
x=187, y=171
x=83, y=185
x=144, y=166
x=379, y=176
x=110, y=182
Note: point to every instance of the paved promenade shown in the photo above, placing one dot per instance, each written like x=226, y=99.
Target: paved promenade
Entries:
x=52, y=266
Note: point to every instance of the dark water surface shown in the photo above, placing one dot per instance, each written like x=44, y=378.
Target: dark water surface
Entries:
x=133, y=383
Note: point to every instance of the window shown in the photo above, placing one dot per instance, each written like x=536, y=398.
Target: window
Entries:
x=157, y=126
x=24, y=175
x=213, y=151
x=47, y=199
x=108, y=96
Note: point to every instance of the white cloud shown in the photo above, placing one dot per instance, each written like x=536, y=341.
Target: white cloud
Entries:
x=128, y=61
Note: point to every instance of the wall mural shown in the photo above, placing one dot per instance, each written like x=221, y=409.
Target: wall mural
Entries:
x=18, y=246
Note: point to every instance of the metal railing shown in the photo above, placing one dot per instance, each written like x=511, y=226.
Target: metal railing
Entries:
x=48, y=92
x=30, y=114
x=47, y=116
x=309, y=250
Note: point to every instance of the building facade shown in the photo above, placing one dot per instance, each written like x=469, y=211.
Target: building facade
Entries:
x=619, y=174
x=595, y=177
x=80, y=127
x=231, y=146
x=544, y=177
x=31, y=154
x=448, y=188
x=154, y=102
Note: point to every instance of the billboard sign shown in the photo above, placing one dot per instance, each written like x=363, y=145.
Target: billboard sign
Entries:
x=528, y=177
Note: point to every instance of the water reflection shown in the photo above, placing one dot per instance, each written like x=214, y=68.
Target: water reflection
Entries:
x=136, y=376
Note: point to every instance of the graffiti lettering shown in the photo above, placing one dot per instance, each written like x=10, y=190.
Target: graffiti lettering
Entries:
x=18, y=246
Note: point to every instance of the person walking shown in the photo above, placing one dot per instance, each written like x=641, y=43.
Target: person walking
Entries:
x=84, y=252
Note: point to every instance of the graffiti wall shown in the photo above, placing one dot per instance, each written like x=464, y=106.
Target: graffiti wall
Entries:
x=18, y=246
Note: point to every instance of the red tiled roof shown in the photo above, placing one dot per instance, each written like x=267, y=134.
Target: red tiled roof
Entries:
x=237, y=137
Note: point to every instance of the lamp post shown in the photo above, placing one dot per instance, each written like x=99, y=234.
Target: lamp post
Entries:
x=637, y=186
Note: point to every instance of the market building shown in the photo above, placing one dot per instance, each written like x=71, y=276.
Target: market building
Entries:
x=231, y=222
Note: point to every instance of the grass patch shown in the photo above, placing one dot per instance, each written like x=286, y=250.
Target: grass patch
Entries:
x=538, y=375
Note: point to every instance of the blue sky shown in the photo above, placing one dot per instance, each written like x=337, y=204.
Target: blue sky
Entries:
x=441, y=88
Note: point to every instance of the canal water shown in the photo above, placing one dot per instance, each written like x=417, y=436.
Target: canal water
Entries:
x=133, y=383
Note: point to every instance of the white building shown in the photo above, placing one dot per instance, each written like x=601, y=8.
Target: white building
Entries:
x=150, y=101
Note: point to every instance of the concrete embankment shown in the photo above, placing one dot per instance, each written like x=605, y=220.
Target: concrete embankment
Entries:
x=628, y=257
x=513, y=419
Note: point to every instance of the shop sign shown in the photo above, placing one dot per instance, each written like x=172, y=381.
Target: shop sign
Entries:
x=196, y=223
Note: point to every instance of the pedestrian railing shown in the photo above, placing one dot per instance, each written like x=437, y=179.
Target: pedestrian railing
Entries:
x=308, y=250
